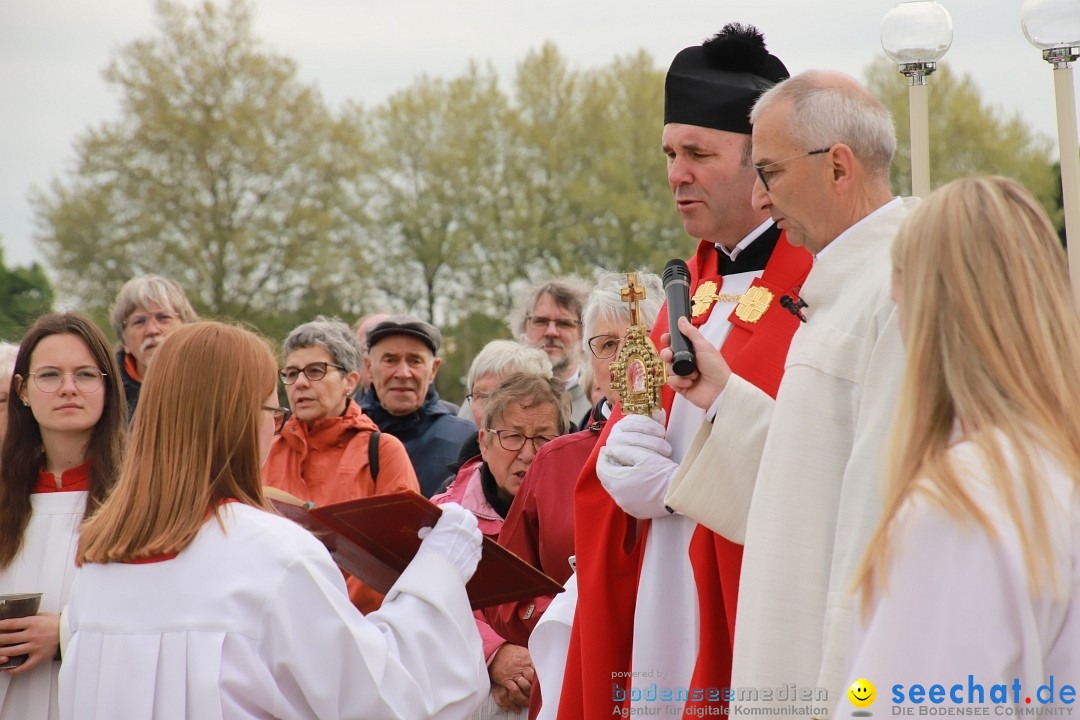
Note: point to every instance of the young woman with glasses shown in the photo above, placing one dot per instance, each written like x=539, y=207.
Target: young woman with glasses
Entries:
x=325, y=452
x=66, y=429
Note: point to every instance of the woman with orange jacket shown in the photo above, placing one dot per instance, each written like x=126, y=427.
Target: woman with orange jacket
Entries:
x=328, y=451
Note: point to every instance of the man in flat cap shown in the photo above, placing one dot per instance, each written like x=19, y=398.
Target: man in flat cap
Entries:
x=657, y=592
x=402, y=360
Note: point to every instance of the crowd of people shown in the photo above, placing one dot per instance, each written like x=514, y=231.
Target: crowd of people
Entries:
x=871, y=473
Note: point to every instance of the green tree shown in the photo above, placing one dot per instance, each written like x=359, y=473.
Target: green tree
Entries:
x=224, y=172
x=967, y=136
x=628, y=216
x=439, y=154
x=25, y=293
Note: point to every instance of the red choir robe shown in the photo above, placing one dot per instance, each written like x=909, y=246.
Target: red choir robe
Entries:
x=609, y=544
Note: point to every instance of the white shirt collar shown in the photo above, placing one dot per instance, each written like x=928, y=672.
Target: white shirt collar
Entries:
x=895, y=202
x=574, y=379
x=745, y=242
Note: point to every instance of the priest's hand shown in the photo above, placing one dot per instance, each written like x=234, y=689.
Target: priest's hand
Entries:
x=635, y=465
x=456, y=538
x=702, y=386
x=37, y=636
x=512, y=674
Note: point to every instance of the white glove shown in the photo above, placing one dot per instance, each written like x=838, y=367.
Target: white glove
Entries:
x=635, y=465
x=454, y=537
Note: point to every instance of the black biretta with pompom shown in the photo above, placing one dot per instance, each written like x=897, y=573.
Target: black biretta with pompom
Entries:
x=715, y=84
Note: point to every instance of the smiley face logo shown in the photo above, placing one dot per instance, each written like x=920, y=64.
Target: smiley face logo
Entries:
x=862, y=693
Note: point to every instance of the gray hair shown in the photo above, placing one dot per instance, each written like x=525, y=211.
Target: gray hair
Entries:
x=606, y=303
x=8, y=353
x=529, y=391
x=568, y=293
x=505, y=357
x=145, y=289
x=333, y=336
x=827, y=109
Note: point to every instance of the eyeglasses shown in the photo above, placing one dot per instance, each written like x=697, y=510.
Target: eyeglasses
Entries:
x=604, y=346
x=50, y=380
x=162, y=319
x=513, y=441
x=478, y=397
x=281, y=414
x=312, y=371
x=761, y=168
x=538, y=322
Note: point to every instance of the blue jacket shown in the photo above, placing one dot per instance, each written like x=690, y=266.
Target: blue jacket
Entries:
x=432, y=435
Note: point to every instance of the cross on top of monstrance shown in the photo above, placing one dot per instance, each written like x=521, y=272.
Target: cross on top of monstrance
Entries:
x=632, y=294
x=637, y=375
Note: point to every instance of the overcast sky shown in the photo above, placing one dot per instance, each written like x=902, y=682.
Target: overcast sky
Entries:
x=52, y=53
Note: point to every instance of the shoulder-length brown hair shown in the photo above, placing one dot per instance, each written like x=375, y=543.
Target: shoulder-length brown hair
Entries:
x=194, y=444
x=20, y=457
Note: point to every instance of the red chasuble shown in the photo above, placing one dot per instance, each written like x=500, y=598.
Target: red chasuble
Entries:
x=609, y=546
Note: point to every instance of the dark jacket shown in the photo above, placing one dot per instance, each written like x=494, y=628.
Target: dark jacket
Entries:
x=131, y=385
x=432, y=435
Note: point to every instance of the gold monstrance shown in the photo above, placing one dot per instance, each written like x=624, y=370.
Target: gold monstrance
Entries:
x=637, y=375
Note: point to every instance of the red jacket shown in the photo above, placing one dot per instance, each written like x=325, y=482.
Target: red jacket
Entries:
x=540, y=529
x=540, y=526
x=327, y=463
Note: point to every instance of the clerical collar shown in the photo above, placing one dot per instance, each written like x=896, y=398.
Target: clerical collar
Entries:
x=894, y=203
x=745, y=242
x=752, y=253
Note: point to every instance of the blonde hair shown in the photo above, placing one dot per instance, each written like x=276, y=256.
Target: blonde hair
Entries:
x=993, y=341
x=194, y=444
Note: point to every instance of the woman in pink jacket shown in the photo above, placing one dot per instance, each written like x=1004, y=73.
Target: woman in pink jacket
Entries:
x=524, y=412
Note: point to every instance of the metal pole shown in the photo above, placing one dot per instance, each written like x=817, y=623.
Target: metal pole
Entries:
x=1065, y=97
x=920, y=138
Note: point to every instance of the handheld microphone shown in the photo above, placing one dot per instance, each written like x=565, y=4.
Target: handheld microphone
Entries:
x=677, y=289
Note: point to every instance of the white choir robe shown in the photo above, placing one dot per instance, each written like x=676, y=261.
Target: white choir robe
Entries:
x=255, y=622
x=801, y=476
x=549, y=644
x=45, y=564
x=958, y=602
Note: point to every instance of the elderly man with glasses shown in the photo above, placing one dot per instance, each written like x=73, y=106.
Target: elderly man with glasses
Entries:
x=812, y=458
x=328, y=451
x=146, y=310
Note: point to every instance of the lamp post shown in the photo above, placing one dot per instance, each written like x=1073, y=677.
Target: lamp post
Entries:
x=915, y=35
x=1054, y=27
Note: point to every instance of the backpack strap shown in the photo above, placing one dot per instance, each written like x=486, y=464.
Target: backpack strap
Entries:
x=373, y=455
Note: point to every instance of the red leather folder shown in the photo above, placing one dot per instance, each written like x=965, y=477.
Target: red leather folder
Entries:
x=374, y=538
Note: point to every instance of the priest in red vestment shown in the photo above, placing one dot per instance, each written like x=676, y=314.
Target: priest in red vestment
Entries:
x=656, y=592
